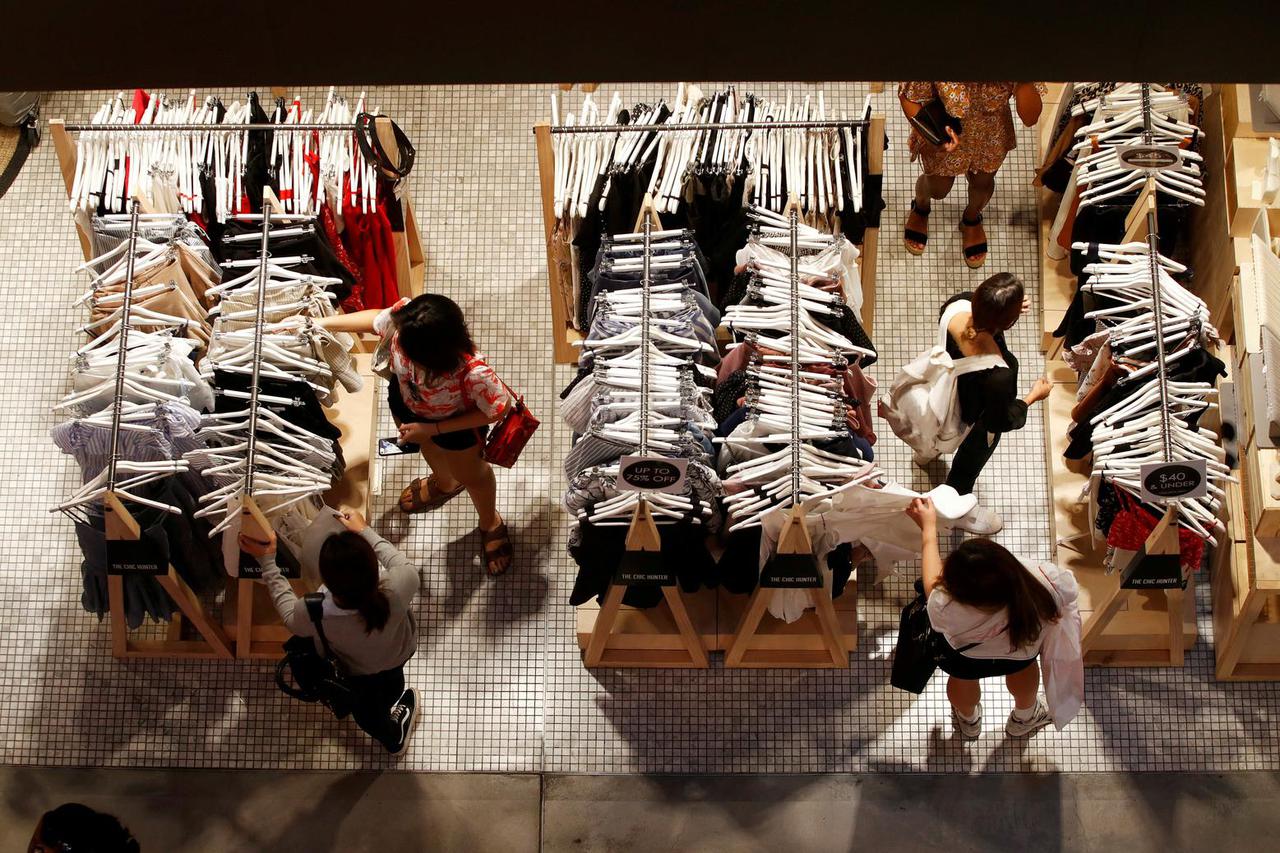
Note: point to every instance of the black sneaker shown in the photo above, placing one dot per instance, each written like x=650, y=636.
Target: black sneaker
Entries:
x=404, y=714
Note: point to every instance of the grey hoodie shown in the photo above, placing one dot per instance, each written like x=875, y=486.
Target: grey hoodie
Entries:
x=361, y=652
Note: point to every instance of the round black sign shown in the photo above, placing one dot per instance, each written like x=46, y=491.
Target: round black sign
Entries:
x=1172, y=481
x=651, y=474
x=1148, y=157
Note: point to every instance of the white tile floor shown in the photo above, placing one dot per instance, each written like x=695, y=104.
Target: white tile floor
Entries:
x=501, y=680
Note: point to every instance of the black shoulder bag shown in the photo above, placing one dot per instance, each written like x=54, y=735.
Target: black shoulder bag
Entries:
x=919, y=646
x=318, y=679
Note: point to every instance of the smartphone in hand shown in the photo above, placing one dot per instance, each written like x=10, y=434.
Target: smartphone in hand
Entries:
x=392, y=447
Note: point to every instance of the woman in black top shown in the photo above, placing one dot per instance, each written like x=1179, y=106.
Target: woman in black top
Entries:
x=988, y=399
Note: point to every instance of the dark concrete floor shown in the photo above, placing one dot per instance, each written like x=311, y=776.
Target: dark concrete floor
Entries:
x=192, y=810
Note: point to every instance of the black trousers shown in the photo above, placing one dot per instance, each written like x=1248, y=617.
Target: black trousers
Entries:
x=375, y=694
x=971, y=456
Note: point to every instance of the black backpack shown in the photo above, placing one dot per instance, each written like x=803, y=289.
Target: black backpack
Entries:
x=318, y=679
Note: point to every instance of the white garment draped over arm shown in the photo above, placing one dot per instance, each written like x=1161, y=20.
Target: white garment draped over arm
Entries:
x=1061, y=656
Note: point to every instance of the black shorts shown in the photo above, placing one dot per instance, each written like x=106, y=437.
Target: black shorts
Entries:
x=973, y=669
x=462, y=439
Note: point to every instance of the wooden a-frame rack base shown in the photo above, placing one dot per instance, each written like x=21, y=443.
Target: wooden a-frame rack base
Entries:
x=209, y=642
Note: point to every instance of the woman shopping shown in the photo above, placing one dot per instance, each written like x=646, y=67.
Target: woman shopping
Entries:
x=996, y=616
x=443, y=397
x=976, y=151
x=369, y=588
x=988, y=399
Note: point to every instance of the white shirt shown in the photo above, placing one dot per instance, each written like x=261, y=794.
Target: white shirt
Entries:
x=962, y=624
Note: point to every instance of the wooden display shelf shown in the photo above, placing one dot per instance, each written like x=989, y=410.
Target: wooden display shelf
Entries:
x=356, y=414
x=1246, y=599
x=1246, y=568
x=1121, y=627
x=1057, y=282
x=799, y=644
x=649, y=638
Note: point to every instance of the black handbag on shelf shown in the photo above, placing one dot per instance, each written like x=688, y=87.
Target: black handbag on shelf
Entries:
x=932, y=120
x=318, y=678
x=919, y=647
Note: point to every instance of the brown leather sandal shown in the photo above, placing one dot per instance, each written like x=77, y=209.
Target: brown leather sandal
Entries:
x=413, y=499
x=490, y=557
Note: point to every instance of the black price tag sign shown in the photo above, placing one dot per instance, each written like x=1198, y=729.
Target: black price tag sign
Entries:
x=1149, y=158
x=651, y=474
x=1163, y=481
x=250, y=568
x=643, y=568
x=135, y=557
x=791, y=571
x=1153, y=571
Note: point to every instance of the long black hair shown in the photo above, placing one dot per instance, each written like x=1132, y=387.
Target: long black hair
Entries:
x=987, y=576
x=433, y=333
x=349, y=568
x=76, y=827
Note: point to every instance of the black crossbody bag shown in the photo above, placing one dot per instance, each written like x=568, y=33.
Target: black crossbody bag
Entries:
x=318, y=678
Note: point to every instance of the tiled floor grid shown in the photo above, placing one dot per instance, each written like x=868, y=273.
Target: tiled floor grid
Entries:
x=502, y=684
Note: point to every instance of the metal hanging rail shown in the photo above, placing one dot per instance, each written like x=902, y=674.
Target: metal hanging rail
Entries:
x=258, y=319
x=122, y=355
x=712, y=125
x=795, y=357
x=212, y=126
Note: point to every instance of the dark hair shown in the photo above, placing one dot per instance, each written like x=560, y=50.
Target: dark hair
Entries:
x=80, y=829
x=997, y=303
x=985, y=575
x=349, y=568
x=433, y=333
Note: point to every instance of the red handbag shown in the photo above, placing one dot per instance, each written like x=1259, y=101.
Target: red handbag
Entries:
x=510, y=434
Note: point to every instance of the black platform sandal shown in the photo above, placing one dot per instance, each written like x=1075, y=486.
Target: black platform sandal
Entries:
x=975, y=255
x=910, y=235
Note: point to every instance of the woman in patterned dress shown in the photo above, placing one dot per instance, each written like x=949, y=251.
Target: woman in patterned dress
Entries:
x=443, y=397
x=977, y=152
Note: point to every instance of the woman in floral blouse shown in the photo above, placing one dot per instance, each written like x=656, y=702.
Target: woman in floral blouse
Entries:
x=443, y=396
x=977, y=152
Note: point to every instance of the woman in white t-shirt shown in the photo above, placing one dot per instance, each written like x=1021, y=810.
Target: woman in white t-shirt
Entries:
x=996, y=615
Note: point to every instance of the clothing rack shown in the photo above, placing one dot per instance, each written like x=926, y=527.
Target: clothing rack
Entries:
x=714, y=125
x=121, y=526
x=684, y=647
x=748, y=649
x=410, y=258
x=564, y=335
x=1164, y=540
x=1123, y=626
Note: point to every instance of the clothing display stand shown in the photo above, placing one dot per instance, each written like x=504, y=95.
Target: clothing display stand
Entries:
x=563, y=333
x=645, y=639
x=1122, y=627
x=410, y=258
x=752, y=645
x=121, y=526
x=248, y=614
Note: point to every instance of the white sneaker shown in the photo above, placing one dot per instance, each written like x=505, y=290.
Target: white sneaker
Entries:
x=968, y=728
x=982, y=521
x=1021, y=728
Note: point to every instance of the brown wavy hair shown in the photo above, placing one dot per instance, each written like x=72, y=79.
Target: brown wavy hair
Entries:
x=987, y=576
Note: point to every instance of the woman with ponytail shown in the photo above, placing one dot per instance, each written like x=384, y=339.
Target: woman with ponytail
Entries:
x=369, y=588
x=995, y=616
